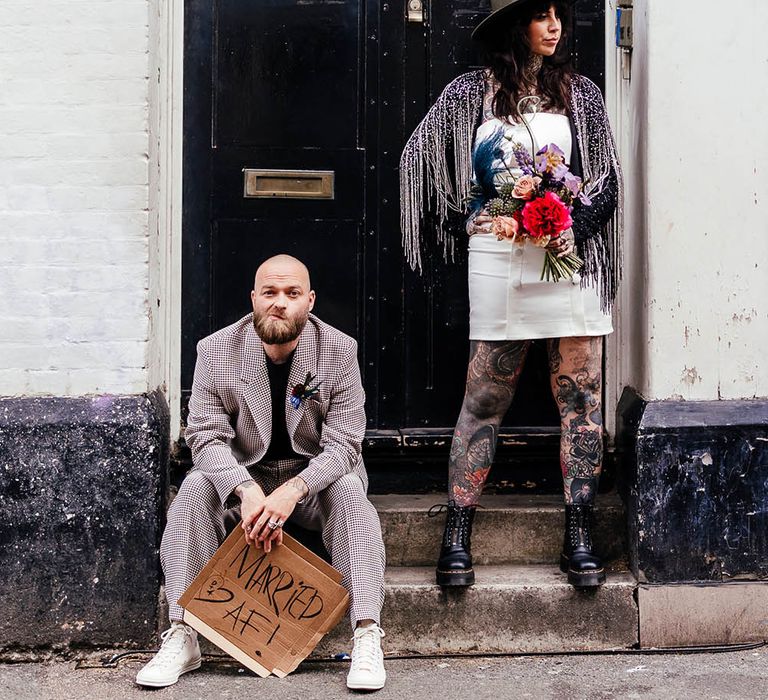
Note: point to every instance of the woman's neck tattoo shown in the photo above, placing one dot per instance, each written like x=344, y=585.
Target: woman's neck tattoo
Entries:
x=532, y=69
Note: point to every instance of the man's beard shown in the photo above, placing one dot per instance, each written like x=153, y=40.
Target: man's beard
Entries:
x=279, y=332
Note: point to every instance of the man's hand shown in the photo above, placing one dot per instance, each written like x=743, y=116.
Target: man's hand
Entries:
x=251, y=502
x=275, y=508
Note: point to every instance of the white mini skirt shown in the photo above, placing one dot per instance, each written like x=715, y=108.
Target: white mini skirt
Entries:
x=509, y=301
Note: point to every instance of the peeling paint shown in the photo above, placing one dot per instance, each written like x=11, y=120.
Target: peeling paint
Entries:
x=690, y=376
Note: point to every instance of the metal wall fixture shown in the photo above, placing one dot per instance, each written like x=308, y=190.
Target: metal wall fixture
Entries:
x=624, y=36
x=415, y=11
x=288, y=184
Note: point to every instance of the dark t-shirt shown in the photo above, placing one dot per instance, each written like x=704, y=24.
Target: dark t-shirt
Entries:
x=280, y=445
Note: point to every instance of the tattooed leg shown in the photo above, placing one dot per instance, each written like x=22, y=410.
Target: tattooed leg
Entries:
x=575, y=366
x=494, y=368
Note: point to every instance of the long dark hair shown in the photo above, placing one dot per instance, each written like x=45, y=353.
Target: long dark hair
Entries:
x=505, y=52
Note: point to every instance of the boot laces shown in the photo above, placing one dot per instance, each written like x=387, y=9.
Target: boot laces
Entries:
x=173, y=640
x=580, y=529
x=458, y=527
x=366, y=653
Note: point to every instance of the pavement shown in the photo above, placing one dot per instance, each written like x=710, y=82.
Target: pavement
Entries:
x=727, y=675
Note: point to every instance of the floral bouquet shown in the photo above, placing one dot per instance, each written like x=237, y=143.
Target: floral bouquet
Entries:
x=535, y=206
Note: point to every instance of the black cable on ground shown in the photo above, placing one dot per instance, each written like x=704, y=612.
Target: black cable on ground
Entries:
x=112, y=661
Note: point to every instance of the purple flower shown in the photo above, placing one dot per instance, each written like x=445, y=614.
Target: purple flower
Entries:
x=550, y=159
x=522, y=158
x=572, y=182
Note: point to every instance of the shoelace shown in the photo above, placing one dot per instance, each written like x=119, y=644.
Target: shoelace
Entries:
x=173, y=640
x=457, y=523
x=439, y=508
x=579, y=532
x=365, y=654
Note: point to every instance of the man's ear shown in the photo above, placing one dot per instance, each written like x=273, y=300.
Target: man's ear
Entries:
x=311, y=299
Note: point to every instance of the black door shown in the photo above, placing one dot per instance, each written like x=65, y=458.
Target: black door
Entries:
x=289, y=85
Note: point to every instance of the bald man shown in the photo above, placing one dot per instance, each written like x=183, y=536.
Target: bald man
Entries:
x=276, y=421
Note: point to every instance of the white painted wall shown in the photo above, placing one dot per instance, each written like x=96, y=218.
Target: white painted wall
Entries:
x=695, y=148
x=73, y=197
x=90, y=198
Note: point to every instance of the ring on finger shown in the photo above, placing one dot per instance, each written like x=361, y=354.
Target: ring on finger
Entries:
x=272, y=525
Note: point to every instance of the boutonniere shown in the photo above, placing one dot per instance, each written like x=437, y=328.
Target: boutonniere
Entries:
x=304, y=391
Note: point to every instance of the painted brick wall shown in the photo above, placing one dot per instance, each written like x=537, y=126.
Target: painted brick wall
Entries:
x=694, y=324
x=73, y=197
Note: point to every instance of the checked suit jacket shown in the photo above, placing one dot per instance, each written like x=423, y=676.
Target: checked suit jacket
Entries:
x=230, y=410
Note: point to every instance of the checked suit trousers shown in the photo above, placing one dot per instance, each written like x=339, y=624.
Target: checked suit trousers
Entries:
x=351, y=531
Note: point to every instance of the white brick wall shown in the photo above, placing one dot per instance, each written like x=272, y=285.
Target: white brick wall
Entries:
x=73, y=196
x=696, y=157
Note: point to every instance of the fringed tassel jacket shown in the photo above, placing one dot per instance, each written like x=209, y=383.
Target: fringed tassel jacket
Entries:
x=436, y=177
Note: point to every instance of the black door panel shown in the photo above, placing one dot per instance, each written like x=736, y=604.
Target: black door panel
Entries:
x=287, y=73
x=227, y=187
x=238, y=245
x=339, y=86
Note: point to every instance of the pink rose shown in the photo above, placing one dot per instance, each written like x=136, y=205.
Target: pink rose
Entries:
x=525, y=187
x=504, y=227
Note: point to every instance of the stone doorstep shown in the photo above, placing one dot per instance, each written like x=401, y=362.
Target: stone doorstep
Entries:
x=682, y=614
x=513, y=529
x=511, y=609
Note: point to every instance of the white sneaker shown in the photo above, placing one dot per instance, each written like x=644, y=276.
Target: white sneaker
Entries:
x=178, y=654
x=367, y=672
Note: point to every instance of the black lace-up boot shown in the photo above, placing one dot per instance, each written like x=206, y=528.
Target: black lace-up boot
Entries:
x=584, y=569
x=454, y=567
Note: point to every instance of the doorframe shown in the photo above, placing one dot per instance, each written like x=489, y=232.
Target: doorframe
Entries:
x=166, y=90
x=615, y=343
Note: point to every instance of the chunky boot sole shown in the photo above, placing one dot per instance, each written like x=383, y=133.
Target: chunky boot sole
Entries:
x=461, y=577
x=582, y=579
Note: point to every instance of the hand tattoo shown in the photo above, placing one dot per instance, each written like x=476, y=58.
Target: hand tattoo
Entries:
x=245, y=485
x=299, y=485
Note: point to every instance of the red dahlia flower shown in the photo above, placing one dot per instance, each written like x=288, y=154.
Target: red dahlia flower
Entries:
x=546, y=216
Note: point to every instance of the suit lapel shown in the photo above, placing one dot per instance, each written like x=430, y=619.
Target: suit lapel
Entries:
x=256, y=393
x=304, y=362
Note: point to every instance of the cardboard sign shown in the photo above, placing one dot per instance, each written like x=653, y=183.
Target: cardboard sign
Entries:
x=268, y=611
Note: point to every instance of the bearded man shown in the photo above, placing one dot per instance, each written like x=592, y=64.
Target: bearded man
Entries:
x=276, y=422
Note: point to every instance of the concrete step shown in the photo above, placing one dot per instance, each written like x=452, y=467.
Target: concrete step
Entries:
x=511, y=609
x=513, y=529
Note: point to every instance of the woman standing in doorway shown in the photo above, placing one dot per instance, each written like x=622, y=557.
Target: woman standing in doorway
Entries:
x=483, y=131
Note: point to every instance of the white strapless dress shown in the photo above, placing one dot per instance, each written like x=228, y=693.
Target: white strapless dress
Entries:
x=508, y=300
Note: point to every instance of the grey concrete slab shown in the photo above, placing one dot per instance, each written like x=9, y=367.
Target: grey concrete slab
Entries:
x=514, y=529
x=510, y=609
x=728, y=676
x=724, y=613
x=81, y=487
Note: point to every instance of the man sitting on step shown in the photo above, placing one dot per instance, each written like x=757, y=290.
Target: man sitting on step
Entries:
x=276, y=421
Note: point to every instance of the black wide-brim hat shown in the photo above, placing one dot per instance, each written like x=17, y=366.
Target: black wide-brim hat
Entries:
x=500, y=9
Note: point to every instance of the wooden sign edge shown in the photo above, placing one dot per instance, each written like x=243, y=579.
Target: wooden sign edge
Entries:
x=333, y=619
x=224, y=644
